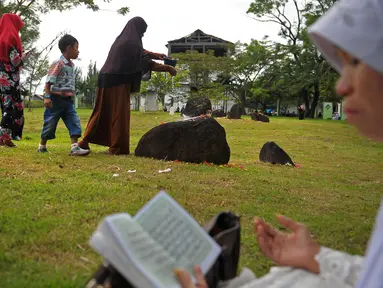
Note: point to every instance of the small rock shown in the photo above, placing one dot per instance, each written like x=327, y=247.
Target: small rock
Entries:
x=272, y=153
x=235, y=112
x=259, y=117
x=197, y=106
x=218, y=114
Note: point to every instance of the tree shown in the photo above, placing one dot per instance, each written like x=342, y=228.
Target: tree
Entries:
x=274, y=84
x=248, y=64
x=89, y=85
x=203, y=68
x=303, y=62
x=162, y=84
x=30, y=11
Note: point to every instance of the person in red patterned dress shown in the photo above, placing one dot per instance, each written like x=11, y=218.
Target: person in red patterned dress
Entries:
x=11, y=61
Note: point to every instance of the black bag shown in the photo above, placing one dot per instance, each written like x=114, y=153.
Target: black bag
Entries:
x=146, y=72
x=146, y=76
x=225, y=228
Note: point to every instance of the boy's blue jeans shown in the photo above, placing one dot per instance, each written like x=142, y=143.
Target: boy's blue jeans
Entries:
x=62, y=107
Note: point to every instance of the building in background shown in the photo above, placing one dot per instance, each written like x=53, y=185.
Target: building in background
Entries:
x=201, y=42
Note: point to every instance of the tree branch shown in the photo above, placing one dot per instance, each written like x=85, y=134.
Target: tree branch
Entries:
x=264, y=20
x=20, y=5
x=299, y=18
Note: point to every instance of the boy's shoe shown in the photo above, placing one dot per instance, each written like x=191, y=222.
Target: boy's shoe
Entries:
x=42, y=149
x=17, y=138
x=77, y=151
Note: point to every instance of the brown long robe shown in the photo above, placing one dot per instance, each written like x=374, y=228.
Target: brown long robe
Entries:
x=109, y=124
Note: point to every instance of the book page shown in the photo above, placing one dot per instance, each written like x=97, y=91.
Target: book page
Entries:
x=115, y=255
x=178, y=233
x=149, y=257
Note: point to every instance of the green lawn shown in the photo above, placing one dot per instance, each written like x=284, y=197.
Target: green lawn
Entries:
x=50, y=204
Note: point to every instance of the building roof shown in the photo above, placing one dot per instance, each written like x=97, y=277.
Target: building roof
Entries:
x=198, y=36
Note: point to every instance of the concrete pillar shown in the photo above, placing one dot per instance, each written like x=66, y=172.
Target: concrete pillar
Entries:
x=343, y=114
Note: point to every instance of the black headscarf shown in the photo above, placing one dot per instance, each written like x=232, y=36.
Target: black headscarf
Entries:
x=126, y=62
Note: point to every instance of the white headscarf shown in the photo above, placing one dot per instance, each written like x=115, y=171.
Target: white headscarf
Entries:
x=355, y=26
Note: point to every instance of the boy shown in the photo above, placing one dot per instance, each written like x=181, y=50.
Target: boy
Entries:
x=58, y=98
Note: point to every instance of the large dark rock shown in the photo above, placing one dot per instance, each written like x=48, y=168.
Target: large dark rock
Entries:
x=235, y=112
x=218, y=114
x=195, y=140
x=259, y=117
x=197, y=106
x=272, y=153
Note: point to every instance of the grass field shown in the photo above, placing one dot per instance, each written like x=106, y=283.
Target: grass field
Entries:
x=50, y=204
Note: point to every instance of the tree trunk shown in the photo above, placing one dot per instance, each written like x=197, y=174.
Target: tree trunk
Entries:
x=30, y=97
x=315, y=100
x=162, y=98
x=242, y=100
x=306, y=99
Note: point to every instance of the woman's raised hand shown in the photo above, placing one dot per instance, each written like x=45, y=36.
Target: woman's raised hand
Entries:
x=172, y=71
x=295, y=249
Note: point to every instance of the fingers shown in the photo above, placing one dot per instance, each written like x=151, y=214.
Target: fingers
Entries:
x=267, y=228
x=264, y=242
x=288, y=223
x=201, y=281
x=186, y=281
x=184, y=278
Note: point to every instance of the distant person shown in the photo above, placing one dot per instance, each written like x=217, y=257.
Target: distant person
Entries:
x=335, y=116
x=59, y=98
x=340, y=36
x=11, y=62
x=120, y=76
x=301, y=112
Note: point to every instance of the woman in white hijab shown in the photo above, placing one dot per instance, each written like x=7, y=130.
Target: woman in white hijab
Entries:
x=350, y=36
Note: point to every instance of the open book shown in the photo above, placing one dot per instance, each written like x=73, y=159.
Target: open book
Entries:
x=146, y=248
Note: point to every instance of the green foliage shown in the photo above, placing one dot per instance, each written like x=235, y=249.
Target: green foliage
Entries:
x=88, y=85
x=202, y=68
x=162, y=84
x=123, y=11
x=300, y=70
x=31, y=10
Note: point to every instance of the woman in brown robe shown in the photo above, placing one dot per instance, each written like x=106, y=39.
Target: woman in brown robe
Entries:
x=121, y=75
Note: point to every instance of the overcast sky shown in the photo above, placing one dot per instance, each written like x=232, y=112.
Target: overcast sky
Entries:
x=166, y=19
